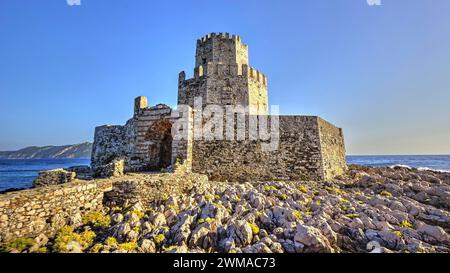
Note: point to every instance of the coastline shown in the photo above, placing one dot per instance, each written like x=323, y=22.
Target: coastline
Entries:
x=439, y=163
x=398, y=209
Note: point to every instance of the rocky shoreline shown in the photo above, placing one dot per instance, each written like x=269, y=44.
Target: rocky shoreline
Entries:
x=366, y=210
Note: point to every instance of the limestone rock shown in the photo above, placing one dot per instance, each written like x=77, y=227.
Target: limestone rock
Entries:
x=433, y=233
x=313, y=239
x=148, y=246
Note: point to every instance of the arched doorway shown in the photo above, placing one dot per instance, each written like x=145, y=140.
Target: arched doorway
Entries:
x=160, y=150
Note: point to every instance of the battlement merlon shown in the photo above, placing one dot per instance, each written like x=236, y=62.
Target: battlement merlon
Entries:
x=220, y=48
x=140, y=103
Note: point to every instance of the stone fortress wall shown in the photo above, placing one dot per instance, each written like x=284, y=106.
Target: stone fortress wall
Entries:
x=310, y=148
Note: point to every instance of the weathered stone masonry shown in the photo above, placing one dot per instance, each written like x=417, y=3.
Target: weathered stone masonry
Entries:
x=310, y=148
x=45, y=210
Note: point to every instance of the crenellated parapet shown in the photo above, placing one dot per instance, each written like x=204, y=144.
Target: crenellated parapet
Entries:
x=226, y=70
x=220, y=48
x=254, y=74
x=219, y=35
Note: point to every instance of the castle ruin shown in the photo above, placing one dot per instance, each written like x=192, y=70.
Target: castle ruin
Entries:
x=308, y=147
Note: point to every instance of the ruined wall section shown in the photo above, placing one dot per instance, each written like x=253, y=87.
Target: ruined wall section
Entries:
x=111, y=142
x=152, y=127
x=190, y=89
x=332, y=148
x=144, y=143
x=182, y=147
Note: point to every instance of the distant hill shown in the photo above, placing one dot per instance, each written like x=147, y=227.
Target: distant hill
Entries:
x=82, y=150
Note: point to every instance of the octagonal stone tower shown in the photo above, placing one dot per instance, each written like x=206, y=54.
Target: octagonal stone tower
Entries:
x=222, y=76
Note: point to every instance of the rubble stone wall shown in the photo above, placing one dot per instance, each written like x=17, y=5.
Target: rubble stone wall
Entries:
x=152, y=187
x=110, y=143
x=29, y=213
x=53, y=177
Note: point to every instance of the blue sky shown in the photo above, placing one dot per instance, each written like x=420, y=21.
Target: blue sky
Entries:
x=380, y=72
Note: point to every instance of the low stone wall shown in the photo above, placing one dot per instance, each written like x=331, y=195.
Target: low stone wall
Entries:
x=53, y=177
x=29, y=213
x=146, y=188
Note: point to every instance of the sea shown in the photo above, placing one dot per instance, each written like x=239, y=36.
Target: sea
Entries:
x=20, y=173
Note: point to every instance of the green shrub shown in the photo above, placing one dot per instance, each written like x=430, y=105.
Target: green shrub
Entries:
x=270, y=188
x=131, y=246
x=406, y=224
x=303, y=203
x=343, y=200
x=110, y=241
x=159, y=239
x=137, y=229
x=303, y=189
x=96, y=248
x=97, y=219
x=67, y=235
x=139, y=213
x=42, y=250
x=336, y=190
x=352, y=215
x=209, y=197
x=19, y=244
x=298, y=214
x=255, y=228
x=386, y=194
x=170, y=248
x=207, y=220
